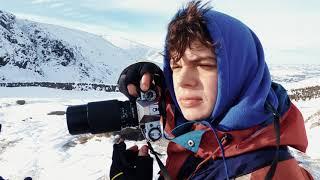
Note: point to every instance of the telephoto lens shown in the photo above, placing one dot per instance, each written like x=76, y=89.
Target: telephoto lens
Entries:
x=101, y=117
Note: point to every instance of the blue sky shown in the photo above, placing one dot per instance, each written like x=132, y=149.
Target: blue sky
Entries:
x=288, y=29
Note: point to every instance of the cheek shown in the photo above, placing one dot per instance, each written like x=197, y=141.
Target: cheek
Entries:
x=175, y=84
x=211, y=88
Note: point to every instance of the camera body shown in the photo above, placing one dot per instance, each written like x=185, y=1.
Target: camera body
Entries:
x=148, y=111
x=114, y=115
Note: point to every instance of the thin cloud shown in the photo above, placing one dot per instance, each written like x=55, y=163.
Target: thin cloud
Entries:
x=153, y=39
x=71, y=14
x=140, y=6
x=55, y=5
x=41, y=1
x=83, y=16
x=67, y=10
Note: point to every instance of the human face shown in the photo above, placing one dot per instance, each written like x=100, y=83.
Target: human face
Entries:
x=195, y=81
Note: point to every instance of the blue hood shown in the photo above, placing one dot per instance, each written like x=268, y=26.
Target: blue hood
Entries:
x=244, y=82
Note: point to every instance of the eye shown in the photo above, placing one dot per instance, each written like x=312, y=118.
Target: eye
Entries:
x=175, y=67
x=208, y=66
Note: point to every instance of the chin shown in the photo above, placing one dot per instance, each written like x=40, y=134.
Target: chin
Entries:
x=196, y=113
x=190, y=116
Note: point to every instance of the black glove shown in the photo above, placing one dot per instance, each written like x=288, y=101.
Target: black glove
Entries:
x=133, y=74
x=127, y=165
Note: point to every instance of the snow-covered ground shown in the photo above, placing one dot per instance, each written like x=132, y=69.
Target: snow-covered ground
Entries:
x=35, y=144
x=311, y=112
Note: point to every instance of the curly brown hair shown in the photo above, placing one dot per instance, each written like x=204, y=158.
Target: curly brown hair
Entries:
x=187, y=26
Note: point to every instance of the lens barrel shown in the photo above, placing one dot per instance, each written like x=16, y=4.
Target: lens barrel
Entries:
x=101, y=117
x=77, y=119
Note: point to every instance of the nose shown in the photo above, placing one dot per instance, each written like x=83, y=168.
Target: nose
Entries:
x=188, y=77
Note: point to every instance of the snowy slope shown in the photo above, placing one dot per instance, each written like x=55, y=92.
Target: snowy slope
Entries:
x=293, y=76
x=137, y=51
x=31, y=51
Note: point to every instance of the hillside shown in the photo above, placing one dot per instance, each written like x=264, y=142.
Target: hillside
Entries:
x=35, y=52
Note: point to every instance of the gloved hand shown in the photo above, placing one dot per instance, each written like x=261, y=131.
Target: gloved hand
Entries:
x=138, y=77
x=131, y=164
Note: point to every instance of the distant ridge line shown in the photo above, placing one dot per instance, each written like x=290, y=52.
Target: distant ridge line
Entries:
x=305, y=93
x=64, y=86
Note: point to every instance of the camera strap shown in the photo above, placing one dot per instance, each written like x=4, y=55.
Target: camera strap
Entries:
x=163, y=169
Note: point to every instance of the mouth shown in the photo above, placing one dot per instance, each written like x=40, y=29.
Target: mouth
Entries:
x=189, y=102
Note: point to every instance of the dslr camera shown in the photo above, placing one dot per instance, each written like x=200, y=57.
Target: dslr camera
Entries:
x=114, y=115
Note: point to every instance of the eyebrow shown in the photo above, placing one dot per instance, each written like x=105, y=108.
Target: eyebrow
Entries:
x=204, y=58
x=197, y=59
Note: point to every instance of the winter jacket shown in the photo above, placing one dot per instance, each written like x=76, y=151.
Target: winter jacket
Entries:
x=238, y=138
x=195, y=153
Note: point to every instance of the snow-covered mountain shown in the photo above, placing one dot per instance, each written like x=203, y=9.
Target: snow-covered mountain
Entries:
x=31, y=51
x=35, y=52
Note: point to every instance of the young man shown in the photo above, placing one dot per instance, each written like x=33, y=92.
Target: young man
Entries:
x=228, y=119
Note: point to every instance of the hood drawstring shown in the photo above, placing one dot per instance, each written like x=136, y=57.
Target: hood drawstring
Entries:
x=276, y=121
x=220, y=146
